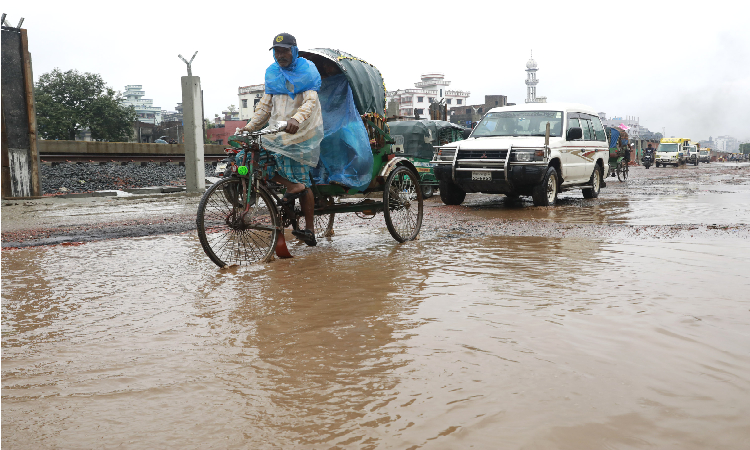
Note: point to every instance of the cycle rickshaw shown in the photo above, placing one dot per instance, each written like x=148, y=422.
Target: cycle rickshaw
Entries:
x=416, y=140
x=241, y=218
x=619, y=153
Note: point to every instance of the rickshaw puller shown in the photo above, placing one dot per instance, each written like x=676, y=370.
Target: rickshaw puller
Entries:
x=291, y=94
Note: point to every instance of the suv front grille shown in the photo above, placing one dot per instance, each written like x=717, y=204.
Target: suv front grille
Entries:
x=482, y=154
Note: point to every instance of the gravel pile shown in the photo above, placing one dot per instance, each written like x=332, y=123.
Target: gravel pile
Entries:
x=88, y=177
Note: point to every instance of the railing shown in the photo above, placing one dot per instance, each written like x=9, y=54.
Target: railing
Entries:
x=421, y=91
x=251, y=88
x=432, y=83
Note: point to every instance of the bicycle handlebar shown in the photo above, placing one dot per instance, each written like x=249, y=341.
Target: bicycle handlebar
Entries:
x=280, y=126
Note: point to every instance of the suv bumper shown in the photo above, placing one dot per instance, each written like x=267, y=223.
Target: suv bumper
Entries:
x=519, y=178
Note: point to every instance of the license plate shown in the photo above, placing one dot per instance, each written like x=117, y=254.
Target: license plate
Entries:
x=481, y=176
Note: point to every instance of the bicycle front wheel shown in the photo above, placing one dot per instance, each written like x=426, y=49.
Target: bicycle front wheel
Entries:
x=228, y=235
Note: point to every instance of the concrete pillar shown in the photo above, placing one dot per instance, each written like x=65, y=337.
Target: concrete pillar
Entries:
x=20, y=158
x=192, y=109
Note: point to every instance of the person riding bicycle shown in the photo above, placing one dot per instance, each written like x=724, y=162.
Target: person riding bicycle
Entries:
x=292, y=84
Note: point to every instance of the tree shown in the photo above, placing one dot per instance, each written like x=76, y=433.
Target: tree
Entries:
x=68, y=102
x=744, y=148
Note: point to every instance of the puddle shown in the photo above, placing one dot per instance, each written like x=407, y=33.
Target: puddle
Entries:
x=364, y=343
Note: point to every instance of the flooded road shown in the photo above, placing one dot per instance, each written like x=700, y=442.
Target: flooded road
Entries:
x=469, y=337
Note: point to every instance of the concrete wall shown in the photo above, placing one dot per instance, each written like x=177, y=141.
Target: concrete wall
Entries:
x=118, y=148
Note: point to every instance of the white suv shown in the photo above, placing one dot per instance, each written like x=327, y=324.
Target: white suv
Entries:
x=509, y=153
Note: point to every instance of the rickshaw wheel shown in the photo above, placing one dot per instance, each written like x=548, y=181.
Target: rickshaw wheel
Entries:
x=403, y=200
x=622, y=170
x=226, y=237
x=323, y=223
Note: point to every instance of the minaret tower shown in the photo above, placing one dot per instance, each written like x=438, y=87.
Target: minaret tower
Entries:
x=532, y=81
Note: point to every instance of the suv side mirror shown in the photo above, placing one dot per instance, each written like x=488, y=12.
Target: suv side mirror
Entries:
x=575, y=133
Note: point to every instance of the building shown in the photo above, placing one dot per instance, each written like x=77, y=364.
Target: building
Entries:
x=144, y=107
x=708, y=144
x=144, y=132
x=635, y=130
x=468, y=114
x=432, y=88
x=249, y=96
x=220, y=134
x=172, y=116
x=228, y=115
x=532, y=81
x=726, y=144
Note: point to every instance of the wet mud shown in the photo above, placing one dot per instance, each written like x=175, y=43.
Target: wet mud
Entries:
x=592, y=324
x=708, y=200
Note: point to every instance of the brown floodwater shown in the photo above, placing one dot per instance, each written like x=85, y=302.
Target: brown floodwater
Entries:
x=443, y=343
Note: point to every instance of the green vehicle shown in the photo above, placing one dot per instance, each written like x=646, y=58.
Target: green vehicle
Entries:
x=416, y=140
x=242, y=219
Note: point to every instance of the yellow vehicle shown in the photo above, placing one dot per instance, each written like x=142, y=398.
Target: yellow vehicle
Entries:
x=673, y=151
x=705, y=155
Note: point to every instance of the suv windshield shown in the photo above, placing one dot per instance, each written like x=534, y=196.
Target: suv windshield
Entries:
x=668, y=148
x=520, y=123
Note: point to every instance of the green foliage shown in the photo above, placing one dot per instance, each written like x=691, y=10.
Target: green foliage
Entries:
x=68, y=102
x=745, y=148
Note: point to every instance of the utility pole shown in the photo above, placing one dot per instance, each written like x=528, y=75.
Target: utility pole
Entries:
x=192, y=112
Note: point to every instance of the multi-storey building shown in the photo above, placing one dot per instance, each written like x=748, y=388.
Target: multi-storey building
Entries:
x=432, y=88
x=144, y=107
x=726, y=144
x=172, y=116
x=249, y=96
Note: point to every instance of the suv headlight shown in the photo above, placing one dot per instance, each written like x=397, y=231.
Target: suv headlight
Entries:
x=443, y=155
x=528, y=155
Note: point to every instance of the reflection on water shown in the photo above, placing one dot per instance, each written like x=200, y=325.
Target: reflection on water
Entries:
x=363, y=343
x=698, y=204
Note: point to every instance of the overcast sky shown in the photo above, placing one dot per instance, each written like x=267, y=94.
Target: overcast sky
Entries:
x=681, y=66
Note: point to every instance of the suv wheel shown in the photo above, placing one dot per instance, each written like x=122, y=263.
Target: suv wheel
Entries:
x=451, y=194
x=545, y=193
x=596, y=184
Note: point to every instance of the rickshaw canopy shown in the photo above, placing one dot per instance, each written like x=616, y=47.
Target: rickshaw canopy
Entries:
x=364, y=79
x=420, y=136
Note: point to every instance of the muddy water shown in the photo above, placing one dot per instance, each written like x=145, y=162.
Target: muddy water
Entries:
x=497, y=342
x=655, y=204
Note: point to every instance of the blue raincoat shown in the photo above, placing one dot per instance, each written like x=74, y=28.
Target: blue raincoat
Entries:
x=300, y=76
x=284, y=83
